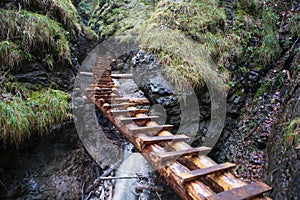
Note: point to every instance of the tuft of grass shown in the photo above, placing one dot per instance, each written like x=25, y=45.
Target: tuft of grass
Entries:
x=35, y=34
x=270, y=49
x=62, y=11
x=24, y=112
x=292, y=136
x=10, y=55
x=294, y=23
x=189, y=38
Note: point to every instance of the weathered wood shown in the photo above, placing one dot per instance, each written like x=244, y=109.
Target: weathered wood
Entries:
x=88, y=74
x=146, y=140
x=195, y=189
x=131, y=111
x=166, y=156
x=153, y=130
x=111, y=96
x=121, y=76
x=195, y=174
x=104, y=86
x=120, y=105
x=241, y=193
x=137, y=119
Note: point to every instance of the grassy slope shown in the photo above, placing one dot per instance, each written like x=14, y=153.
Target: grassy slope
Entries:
x=40, y=31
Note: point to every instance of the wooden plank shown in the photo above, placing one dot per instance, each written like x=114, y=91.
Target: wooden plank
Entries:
x=111, y=96
x=195, y=174
x=121, y=76
x=173, y=155
x=134, y=119
x=241, y=193
x=144, y=139
x=148, y=129
x=140, y=100
x=120, y=105
x=88, y=74
x=98, y=89
x=133, y=111
x=103, y=86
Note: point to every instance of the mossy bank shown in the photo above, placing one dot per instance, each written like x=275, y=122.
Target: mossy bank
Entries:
x=41, y=47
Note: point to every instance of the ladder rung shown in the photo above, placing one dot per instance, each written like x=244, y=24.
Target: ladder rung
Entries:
x=166, y=156
x=123, y=99
x=98, y=89
x=144, y=139
x=140, y=101
x=104, y=86
x=131, y=119
x=151, y=128
x=88, y=74
x=101, y=69
x=121, y=76
x=134, y=100
x=120, y=105
x=105, y=81
x=192, y=175
x=245, y=192
x=133, y=111
x=107, y=96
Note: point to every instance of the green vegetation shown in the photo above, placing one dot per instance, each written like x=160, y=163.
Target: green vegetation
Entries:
x=189, y=38
x=40, y=32
x=62, y=11
x=10, y=54
x=292, y=136
x=269, y=50
x=27, y=35
x=24, y=112
x=117, y=16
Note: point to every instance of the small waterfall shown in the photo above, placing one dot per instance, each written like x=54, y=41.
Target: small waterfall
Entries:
x=133, y=164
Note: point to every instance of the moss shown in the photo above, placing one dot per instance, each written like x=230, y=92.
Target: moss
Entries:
x=264, y=88
x=24, y=112
x=34, y=34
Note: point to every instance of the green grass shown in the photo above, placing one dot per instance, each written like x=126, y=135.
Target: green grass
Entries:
x=32, y=35
x=10, y=55
x=25, y=112
x=292, y=136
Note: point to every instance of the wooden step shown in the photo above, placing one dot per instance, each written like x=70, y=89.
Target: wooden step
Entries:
x=103, y=86
x=87, y=74
x=120, y=105
x=126, y=120
x=249, y=191
x=140, y=100
x=144, y=139
x=121, y=76
x=195, y=174
x=102, y=69
x=131, y=112
x=111, y=96
x=98, y=89
x=173, y=155
x=153, y=129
